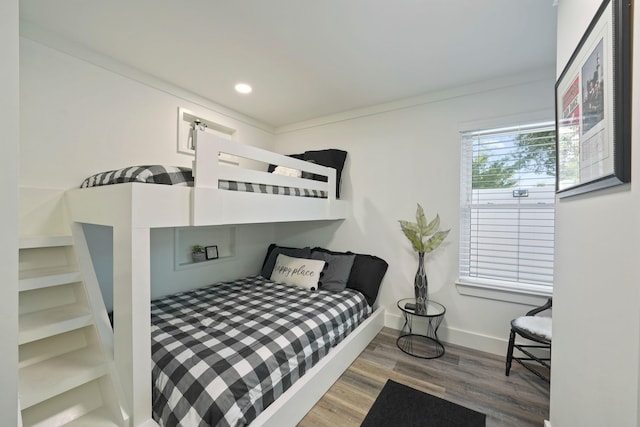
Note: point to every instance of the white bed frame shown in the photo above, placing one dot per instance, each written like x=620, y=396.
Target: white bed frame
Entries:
x=294, y=404
x=133, y=209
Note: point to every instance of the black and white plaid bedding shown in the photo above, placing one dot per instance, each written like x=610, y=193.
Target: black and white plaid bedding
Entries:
x=154, y=174
x=223, y=353
x=174, y=175
x=270, y=189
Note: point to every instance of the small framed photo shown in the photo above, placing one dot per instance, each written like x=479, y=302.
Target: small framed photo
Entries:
x=211, y=252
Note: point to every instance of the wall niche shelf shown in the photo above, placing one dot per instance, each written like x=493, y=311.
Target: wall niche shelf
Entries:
x=224, y=237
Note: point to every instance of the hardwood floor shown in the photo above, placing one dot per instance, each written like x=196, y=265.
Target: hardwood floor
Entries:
x=464, y=376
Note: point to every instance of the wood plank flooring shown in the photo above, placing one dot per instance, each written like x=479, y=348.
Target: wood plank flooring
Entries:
x=464, y=376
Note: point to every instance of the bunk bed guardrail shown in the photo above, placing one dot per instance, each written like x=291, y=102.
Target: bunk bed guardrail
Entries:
x=210, y=203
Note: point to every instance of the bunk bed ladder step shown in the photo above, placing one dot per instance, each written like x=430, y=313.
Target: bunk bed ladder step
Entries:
x=66, y=371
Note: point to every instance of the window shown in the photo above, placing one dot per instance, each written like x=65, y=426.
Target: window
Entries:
x=507, y=207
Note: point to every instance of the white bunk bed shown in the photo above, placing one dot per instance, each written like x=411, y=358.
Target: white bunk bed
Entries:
x=133, y=209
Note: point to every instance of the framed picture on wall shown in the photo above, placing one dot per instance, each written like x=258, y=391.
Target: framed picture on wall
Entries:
x=593, y=105
x=211, y=252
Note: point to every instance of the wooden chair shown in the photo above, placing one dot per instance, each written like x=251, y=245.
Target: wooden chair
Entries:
x=536, y=329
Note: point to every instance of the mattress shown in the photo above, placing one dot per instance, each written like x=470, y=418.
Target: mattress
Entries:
x=223, y=353
x=181, y=176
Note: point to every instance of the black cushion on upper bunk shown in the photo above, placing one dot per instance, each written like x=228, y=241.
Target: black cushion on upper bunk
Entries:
x=366, y=274
x=331, y=158
x=297, y=156
x=274, y=250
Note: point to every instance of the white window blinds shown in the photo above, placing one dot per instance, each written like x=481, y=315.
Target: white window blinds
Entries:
x=507, y=205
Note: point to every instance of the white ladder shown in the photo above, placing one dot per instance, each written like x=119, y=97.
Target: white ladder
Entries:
x=66, y=373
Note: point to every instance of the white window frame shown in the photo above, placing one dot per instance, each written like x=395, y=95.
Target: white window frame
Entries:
x=519, y=292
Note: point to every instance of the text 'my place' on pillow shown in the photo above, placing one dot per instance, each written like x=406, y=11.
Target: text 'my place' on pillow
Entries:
x=336, y=274
x=274, y=250
x=366, y=275
x=302, y=272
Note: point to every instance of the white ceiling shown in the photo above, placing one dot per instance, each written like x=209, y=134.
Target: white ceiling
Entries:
x=309, y=58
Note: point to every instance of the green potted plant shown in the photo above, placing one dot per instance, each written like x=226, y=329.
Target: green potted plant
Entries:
x=197, y=253
x=425, y=236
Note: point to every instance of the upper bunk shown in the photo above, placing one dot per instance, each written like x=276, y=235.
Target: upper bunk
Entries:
x=207, y=202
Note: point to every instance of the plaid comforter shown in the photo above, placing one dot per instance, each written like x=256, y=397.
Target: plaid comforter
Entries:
x=181, y=176
x=223, y=353
x=154, y=174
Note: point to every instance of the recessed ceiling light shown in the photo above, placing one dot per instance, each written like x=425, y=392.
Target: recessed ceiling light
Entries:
x=243, y=88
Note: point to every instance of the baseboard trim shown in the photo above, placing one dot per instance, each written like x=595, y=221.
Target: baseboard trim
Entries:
x=547, y=423
x=457, y=336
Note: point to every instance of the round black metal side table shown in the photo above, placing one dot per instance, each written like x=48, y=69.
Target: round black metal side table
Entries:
x=425, y=345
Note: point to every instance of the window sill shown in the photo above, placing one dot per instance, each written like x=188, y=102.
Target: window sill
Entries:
x=524, y=294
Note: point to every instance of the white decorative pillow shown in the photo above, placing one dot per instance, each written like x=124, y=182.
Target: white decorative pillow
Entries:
x=281, y=170
x=301, y=272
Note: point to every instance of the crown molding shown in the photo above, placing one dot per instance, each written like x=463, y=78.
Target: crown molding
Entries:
x=542, y=74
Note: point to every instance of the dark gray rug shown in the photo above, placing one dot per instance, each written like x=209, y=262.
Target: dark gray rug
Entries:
x=399, y=405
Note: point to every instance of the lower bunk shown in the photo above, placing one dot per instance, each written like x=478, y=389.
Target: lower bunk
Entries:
x=252, y=351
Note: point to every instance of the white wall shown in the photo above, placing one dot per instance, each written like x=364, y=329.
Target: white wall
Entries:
x=83, y=116
x=9, y=119
x=595, y=377
x=409, y=152
x=79, y=119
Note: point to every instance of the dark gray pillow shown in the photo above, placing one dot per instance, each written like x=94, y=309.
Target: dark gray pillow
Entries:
x=337, y=272
x=274, y=250
x=366, y=274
